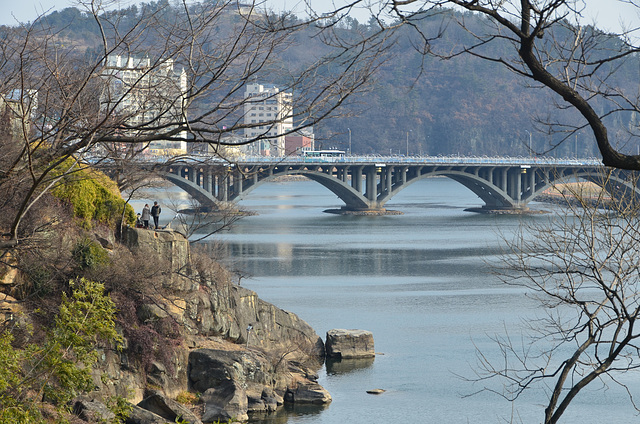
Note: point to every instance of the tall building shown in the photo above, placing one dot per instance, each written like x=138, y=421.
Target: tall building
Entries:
x=268, y=112
x=149, y=96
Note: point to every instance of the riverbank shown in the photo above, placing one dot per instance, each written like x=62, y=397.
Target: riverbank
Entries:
x=575, y=193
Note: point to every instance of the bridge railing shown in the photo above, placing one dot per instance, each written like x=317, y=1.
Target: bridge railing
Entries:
x=386, y=160
x=426, y=160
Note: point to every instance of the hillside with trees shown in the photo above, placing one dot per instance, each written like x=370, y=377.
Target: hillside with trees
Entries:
x=464, y=105
x=467, y=105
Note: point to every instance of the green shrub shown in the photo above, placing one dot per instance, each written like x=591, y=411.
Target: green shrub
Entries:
x=47, y=375
x=89, y=254
x=94, y=197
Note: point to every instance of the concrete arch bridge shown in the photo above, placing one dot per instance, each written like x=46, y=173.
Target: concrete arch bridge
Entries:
x=366, y=184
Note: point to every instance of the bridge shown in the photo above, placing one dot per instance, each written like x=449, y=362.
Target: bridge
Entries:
x=366, y=184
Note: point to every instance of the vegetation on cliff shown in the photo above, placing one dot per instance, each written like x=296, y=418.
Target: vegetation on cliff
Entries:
x=94, y=196
x=46, y=362
x=42, y=374
x=163, y=299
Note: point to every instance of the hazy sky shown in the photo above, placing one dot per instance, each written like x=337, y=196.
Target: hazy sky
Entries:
x=607, y=13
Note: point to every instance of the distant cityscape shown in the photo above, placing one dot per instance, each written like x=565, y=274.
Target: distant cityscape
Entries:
x=151, y=98
x=146, y=92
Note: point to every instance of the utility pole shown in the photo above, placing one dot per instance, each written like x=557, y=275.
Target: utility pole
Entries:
x=349, y=129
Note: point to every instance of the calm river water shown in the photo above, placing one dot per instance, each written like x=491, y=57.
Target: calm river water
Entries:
x=419, y=281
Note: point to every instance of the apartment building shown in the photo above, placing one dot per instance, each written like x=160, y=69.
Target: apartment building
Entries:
x=18, y=110
x=268, y=112
x=149, y=96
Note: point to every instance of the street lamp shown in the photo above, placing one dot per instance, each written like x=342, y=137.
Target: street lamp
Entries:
x=408, y=142
x=530, y=152
x=349, y=129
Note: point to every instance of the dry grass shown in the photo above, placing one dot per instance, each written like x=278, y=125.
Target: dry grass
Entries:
x=583, y=189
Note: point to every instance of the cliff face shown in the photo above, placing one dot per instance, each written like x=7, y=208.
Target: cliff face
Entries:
x=238, y=349
x=208, y=308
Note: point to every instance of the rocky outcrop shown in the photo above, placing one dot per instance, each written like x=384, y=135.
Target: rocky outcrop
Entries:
x=234, y=383
x=240, y=353
x=10, y=308
x=225, y=402
x=9, y=279
x=348, y=344
x=210, y=368
x=92, y=410
x=140, y=415
x=240, y=316
x=168, y=409
x=219, y=308
x=307, y=392
x=163, y=246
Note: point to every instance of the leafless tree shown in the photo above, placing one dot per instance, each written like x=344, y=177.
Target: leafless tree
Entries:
x=552, y=48
x=581, y=267
x=198, y=223
x=69, y=102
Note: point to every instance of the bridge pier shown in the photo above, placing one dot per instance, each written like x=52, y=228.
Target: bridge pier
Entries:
x=371, y=192
x=358, y=178
x=389, y=179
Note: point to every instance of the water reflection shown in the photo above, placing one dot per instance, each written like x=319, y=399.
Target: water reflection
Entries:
x=346, y=366
x=284, y=414
x=278, y=259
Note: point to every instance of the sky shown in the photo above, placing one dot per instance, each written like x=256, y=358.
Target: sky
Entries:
x=608, y=14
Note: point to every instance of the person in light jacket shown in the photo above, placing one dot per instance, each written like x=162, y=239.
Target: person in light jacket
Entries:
x=146, y=215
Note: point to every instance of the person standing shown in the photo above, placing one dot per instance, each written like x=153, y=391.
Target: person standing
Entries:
x=146, y=216
x=155, y=213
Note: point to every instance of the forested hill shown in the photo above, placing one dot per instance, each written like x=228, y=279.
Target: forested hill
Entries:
x=464, y=105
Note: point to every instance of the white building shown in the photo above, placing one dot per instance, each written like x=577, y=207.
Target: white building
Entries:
x=267, y=112
x=18, y=111
x=149, y=96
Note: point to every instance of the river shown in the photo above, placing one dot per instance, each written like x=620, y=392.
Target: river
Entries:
x=421, y=282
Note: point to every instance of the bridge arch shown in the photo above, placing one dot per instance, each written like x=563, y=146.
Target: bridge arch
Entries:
x=611, y=182
x=370, y=185
x=345, y=192
x=492, y=195
x=321, y=175
x=201, y=195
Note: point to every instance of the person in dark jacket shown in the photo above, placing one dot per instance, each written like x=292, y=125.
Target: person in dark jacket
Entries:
x=155, y=213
